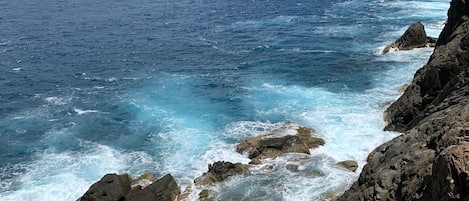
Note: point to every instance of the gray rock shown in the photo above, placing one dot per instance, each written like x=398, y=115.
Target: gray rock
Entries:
x=220, y=171
x=413, y=37
x=111, y=187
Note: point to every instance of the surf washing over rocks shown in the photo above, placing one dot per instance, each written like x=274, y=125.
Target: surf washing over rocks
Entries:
x=171, y=87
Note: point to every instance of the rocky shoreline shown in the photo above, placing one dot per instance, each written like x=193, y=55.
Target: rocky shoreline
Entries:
x=290, y=138
x=430, y=160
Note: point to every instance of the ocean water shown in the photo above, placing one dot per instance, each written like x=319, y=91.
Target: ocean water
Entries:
x=93, y=86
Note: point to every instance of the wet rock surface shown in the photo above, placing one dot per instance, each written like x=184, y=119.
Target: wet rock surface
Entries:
x=280, y=142
x=429, y=161
x=221, y=170
x=414, y=37
x=349, y=165
x=113, y=187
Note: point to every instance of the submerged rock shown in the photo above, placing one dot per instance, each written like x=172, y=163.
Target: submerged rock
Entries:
x=414, y=37
x=206, y=195
x=221, y=170
x=279, y=142
x=349, y=165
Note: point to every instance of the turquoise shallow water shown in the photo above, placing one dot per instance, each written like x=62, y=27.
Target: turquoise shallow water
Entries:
x=93, y=87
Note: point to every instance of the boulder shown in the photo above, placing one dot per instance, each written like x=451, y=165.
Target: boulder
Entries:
x=163, y=189
x=278, y=142
x=413, y=37
x=111, y=187
x=349, y=165
x=220, y=171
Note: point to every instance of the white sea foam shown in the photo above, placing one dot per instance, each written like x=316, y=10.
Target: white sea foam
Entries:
x=67, y=175
x=82, y=112
x=57, y=100
x=300, y=50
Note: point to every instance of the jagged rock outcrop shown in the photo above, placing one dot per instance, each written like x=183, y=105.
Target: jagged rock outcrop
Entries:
x=218, y=172
x=438, y=75
x=164, y=189
x=279, y=142
x=430, y=160
x=414, y=37
x=221, y=170
x=113, y=187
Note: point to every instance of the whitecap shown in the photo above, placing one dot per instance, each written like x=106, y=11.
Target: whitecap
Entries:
x=82, y=112
x=54, y=100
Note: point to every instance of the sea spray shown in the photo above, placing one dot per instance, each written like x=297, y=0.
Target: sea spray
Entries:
x=170, y=87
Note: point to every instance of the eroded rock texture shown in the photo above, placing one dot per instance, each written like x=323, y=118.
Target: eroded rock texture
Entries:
x=430, y=160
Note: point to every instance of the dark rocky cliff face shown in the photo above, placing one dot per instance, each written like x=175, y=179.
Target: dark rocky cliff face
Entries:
x=430, y=161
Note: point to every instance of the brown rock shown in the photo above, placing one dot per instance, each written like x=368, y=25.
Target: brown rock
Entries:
x=206, y=195
x=403, y=87
x=220, y=171
x=111, y=187
x=349, y=165
x=163, y=189
x=328, y=196
x=451, y=173
x=278, y=142
x=143, y=181
x=185, y=194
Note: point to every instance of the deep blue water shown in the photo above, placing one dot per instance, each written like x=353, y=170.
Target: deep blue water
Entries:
x=90, y=87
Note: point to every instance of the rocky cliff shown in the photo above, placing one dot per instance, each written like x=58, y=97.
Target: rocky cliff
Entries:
x=430, y=160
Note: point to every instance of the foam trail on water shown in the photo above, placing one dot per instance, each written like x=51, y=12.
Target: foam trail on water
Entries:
x=67, y=175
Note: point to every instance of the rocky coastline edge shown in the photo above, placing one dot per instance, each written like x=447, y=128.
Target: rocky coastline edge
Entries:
x=430, y=160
